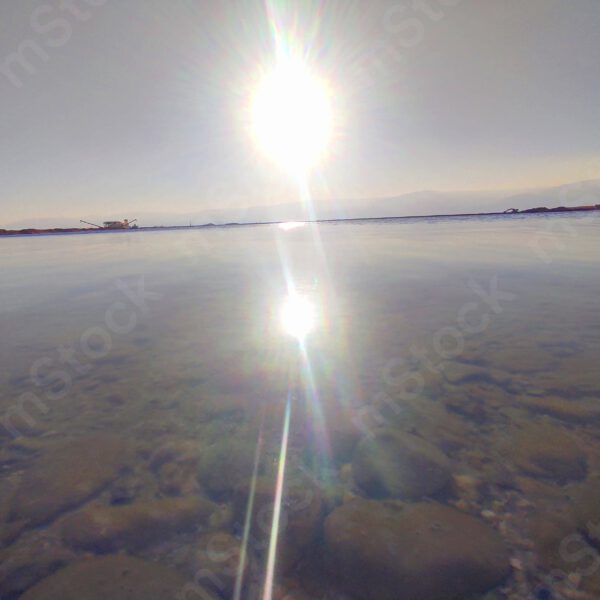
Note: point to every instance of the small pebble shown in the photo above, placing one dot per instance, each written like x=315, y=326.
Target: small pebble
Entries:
x=516, y=563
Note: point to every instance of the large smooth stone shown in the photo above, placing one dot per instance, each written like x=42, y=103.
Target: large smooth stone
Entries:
x=425, y=551
x=109, y=528
x=116, y=578
x=68, y=474
x=400, y=465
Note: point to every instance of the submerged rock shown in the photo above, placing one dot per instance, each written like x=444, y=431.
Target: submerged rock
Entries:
x=302, y=510
x=586, y=510
x=549, y=532
x=109, y=528
x=175, y=479
x=459, y=373
x=291, y=591
x=232, y=406
x=426, y=551
x=116, y=578
x=430, y=420
x=572, y=411
x=178, y=451
x=577, y=377
x=126, y=489
x=400, y=465
x=227, y=464
x=564, y=525
x=26, y=562
x=67, y=474
x=176, y=466
x=216, y=560
x=341, y=429
x=9, y=531
x=591, y=584
x=19, y=427
x=518, y=356
x=544, y=450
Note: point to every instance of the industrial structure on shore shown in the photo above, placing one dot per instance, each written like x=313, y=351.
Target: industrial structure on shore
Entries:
x=124, y=224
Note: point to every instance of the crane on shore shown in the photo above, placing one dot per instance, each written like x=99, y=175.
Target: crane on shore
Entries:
x=124, y=224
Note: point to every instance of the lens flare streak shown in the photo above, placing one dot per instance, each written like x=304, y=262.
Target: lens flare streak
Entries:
x=270, y=573
x=239, y=581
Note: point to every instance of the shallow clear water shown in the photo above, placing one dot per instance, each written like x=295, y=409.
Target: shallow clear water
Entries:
x=434, y=434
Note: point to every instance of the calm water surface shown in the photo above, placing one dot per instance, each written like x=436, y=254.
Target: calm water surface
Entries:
x=380, y=410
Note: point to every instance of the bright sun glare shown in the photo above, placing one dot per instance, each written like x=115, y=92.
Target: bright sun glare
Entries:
x=298, y=316
x=292, y=117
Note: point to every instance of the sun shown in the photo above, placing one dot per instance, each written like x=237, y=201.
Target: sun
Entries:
x=292, y=116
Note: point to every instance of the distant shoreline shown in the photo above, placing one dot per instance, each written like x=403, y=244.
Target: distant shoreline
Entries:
x=509, y=213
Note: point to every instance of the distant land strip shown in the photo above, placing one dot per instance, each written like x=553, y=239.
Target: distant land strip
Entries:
x=508, y=212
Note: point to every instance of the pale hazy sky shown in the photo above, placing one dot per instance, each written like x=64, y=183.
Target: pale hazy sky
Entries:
x=137, y=107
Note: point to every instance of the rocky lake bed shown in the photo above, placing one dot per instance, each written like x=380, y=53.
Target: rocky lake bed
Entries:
x=439, y=502
x=444, y=474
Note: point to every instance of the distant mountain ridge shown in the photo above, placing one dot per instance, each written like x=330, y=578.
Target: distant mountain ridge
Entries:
x=411, y=204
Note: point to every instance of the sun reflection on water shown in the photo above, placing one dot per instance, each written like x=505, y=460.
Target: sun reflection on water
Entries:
x=298, y=316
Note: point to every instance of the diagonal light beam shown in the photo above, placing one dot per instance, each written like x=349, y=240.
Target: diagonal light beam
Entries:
x=239, y=580
x=269, y=577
